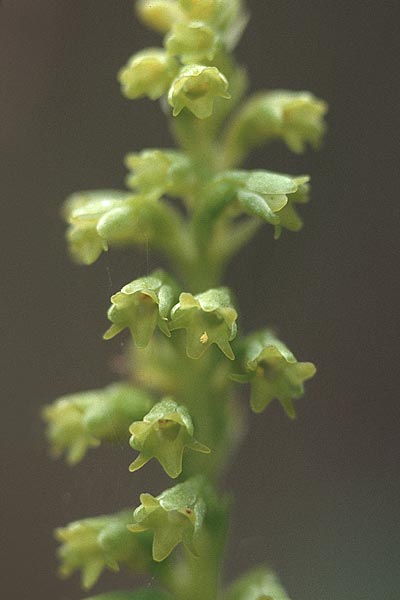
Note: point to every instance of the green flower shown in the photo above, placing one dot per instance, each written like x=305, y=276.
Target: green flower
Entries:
x=300, y=117
x=148, y=73
x=259, y=584
x=209, y=318
x=83, y=211
x=264, y=194
x=297, y=118
x=141, y=306
x=164, y=433
x=273, y=372
x=93, y=544
x=195, y=88
x=193, y=42
x=157, y=172
x=160, y=15
x=81, y=421
x=174, y=516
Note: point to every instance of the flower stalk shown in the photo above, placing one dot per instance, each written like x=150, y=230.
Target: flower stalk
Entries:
x=178, y=404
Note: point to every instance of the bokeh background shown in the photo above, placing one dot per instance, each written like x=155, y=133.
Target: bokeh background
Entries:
x=318, y=497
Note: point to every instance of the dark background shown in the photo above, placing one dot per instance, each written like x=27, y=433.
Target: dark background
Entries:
x=317, y=498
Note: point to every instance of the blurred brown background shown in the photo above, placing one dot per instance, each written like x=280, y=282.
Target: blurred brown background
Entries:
x=317, y=498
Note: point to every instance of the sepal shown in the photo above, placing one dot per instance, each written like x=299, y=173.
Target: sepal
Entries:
x=93, y=544
x=81, y=421
x=164, y=433
x=259, y=584
x=148, y=73
x=209, y=318
x=195, y=88
x=273, y=371
x=175, y=516
x=288, y=216
x=141, y=306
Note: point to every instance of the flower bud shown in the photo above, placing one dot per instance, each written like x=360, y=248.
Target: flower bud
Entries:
x=164, y=433
x=81, y=421
x=82, y=211
x=174, y=516
x=196, y=88
x=93, y=544
x=192, y=42
x=259, y=584
x=158, y=172
x=209, y=318
x=160, y=15
x=141, y=306
x=273, y=372
x=148, y=73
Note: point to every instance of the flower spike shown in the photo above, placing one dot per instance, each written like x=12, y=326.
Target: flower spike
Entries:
x=163, y=434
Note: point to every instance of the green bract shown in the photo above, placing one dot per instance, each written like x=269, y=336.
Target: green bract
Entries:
x=142, y=305
x=196, y=88
x=164, y=433
x=209, y=318
x=197, y=207
x=93, y=544
x=274, y=372
x=174, y=516
x=83, y=420
x=148, y=73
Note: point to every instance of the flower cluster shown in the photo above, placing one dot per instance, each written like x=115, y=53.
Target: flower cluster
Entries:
x=186, y=69
x=208, y=318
